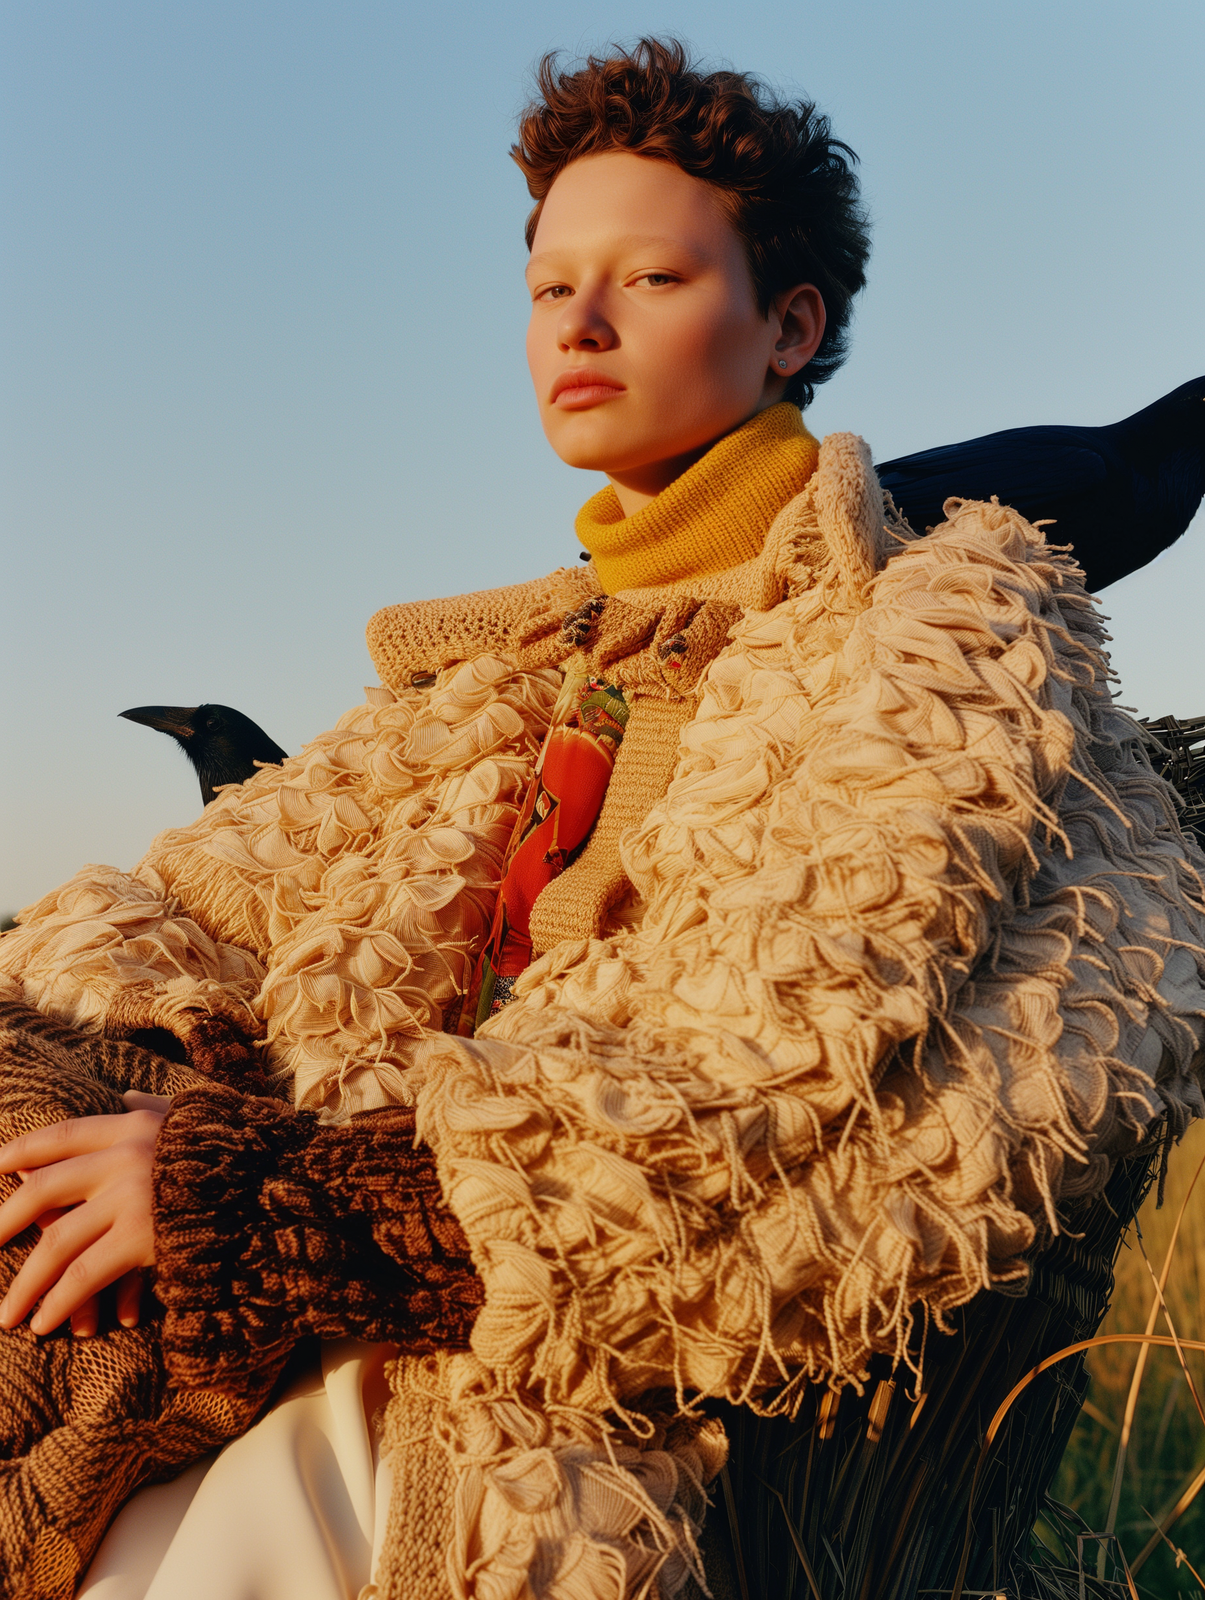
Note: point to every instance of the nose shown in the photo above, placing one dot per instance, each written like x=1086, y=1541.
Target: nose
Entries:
x=584, y=326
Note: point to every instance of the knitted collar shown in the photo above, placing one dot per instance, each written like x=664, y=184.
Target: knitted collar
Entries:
x=714, y=516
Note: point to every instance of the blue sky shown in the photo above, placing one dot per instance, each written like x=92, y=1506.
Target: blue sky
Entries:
x=264, y=313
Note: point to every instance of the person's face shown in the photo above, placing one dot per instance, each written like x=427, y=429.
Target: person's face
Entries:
x=646, y=344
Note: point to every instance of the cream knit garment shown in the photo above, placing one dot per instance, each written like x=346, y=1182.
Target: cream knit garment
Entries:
x=914, y=948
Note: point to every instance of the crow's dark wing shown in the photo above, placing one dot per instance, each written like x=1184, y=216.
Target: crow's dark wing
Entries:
x=1035, y=470
x=1117, y=495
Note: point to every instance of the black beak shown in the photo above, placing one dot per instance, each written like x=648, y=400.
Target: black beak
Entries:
x=176, y=720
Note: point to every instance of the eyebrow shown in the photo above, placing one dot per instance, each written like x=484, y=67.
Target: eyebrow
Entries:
x=632, y=241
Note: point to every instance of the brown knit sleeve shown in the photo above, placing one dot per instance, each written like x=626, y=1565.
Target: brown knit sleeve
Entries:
x=269, y=1227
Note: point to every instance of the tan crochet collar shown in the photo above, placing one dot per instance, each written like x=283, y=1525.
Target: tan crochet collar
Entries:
x=412, y=642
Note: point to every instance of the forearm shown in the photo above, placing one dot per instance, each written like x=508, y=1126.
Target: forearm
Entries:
x=269, y=1227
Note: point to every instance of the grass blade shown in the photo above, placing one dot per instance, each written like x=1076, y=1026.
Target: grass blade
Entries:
x=798, y=1543
x=1019, y=1388
x=1131, y=1407
x=1177, y=1552
x=1168, y=1520
x=734, y=1528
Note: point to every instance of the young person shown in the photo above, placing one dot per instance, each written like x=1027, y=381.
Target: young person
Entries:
x=684, y=970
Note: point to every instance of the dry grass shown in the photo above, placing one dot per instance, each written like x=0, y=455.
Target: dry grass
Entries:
x=1167, y=1446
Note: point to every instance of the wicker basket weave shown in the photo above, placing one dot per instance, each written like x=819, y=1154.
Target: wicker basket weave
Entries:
x=871, y=1491
x=1177, y=751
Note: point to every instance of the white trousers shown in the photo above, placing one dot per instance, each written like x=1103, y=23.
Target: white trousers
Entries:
x=294, y=1510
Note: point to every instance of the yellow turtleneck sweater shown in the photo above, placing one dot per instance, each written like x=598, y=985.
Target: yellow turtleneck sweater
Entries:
x=714, y=516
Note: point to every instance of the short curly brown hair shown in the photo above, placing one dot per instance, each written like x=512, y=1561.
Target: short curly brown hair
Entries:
x=788, y=185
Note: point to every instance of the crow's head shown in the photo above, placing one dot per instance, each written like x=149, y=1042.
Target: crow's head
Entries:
x=222, y=744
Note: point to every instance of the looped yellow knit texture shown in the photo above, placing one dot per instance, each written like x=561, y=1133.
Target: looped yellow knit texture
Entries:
x=713, y=517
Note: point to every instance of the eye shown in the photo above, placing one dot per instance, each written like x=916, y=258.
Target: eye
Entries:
x=655, y=280
x=555, y=291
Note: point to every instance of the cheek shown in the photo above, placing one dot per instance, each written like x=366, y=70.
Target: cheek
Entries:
x=716, y=351
x=543, y=353
x=533, y=345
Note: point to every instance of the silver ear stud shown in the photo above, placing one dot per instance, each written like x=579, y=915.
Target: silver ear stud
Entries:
x=782, y=363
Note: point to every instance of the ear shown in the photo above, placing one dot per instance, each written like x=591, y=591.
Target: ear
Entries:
x=799, y=314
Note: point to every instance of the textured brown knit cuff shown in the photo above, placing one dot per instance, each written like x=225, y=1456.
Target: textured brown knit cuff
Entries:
x=269, y=1227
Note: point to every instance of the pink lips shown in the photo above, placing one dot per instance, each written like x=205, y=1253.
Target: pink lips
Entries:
x=575, y=391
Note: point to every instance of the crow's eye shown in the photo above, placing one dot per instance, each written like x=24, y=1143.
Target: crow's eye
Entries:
x=211, y=722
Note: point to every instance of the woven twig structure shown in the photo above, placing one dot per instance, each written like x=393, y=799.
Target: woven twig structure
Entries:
x=865, y=1497
x=1177, y=750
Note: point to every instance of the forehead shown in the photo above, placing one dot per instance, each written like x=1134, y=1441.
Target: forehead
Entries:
x=619, y=200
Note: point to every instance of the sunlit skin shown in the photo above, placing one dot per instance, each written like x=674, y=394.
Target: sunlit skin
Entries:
x=87, y=1186
x=646, y=343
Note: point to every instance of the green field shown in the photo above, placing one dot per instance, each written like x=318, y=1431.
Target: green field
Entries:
x=1167, y=1444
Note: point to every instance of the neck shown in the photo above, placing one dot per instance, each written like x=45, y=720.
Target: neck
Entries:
x=712, y=511
x=635, y=489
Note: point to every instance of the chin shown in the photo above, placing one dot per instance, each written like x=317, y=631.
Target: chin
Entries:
x=592, y=449
x=591, y=442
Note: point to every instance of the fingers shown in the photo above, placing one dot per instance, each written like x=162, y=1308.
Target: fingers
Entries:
x=82, y=1251
x=129, y=1298
x=100, y=1265
x=94, y=1209
x=77, y=1264
x=59, y=1141
x=58, y=1253
x=65, y=1180
x=53, y=1188
x=86, y=1319
x=135, y=1100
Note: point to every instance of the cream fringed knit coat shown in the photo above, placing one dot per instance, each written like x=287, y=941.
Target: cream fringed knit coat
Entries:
x=886, y=941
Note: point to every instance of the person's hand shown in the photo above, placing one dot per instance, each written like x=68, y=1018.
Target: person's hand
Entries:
x=87, y=1186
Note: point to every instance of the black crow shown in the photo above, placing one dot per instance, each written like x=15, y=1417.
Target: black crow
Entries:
x=1119, y=495
x=222, y=744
